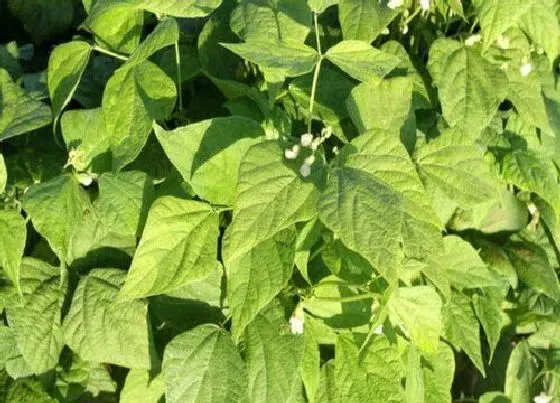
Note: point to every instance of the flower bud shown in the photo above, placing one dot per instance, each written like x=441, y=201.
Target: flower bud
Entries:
x=306, y=140
x=305, y=170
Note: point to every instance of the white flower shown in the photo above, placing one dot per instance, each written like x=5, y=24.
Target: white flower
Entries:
x=471, y=40
x=392, y=4
x=296, y=321
x=305, y=170
x=542, y=398
x=335, y=150
x=425, y=4
x=503, y=42
x=404, y=30
x=526, y=69
x=310, y=160
x=306, y=140
x=532, y=208
x=385, y=31
x=84, y=179
x=292, y=153
x=378, y=329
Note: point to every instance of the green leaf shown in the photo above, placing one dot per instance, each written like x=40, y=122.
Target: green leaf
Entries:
x=277, y=58
x=496, y=16
x=177, y=8
x=470, y=87
x=141, y=386
x=13, y=234
x=271, y=196
x=327, y=391
x=311, y=362
x=100, y=329
x=362, y=61
x=166, y=33
x=382, y=362
x=520, y=374
x=135, y=96
x=319, y=6
x=417, y=311
x=526, y=95
x=190, y=232
x=533, y=172
x=455, y=173
x=115, y=25
x=369, y=109
x=118, y=215
x=67, y=63
x=37, y=320
x=43, y=20
x=439, y=374
x=465, y=268
x=55, y=207
x=376, y=204
x=18, y=112
x=87, y=140
x=273, y=357
x=364, y=20
x=542, y=25
x=487, y=307
x=208, y=154
x=8, y=346
x=271, y=20
x=257, y=276
x=533, y=268
x=204, y=365
x=462, y=328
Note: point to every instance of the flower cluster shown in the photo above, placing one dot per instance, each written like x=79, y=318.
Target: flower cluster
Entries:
x=310, y=142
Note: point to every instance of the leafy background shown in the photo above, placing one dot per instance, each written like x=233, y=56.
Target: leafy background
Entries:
x=279, y=200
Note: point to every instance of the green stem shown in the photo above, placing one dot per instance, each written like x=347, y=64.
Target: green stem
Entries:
x=315, y=73
x=179, y=75
x=411, y=16
x=108, y=52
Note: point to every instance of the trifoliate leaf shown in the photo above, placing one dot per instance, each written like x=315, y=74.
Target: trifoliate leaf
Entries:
x=203, y=364
x=189, y=230
x=100, y=329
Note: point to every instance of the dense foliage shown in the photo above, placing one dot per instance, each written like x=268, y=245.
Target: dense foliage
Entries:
x=280, y=201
